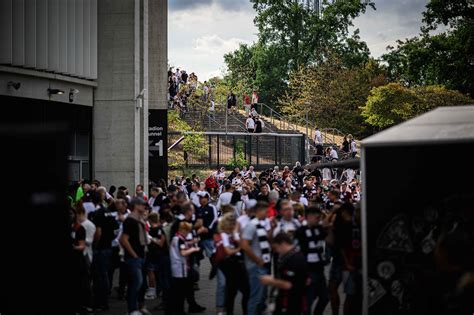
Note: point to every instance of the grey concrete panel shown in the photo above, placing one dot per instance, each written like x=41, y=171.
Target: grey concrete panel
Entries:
x=71, y=36
x=93, y=48
x=6, y=31
x=79, y=37
x=30, y=33
x=18, y=32
x=53, y=35
x=113, y=140
x=63, y=33
x=87, y=38
x=42, y=34
x=37, y=88
x=158, y=53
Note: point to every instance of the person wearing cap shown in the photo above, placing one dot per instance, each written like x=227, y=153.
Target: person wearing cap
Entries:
x=207, y=212
x=134, y=242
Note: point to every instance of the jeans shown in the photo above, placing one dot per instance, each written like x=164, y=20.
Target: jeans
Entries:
x=117, y=263
x=101, y=266
x=220, y=289
x=135, y=282
x=317, y=289
x=258, y=291
x=208, y=247
x=235, y=280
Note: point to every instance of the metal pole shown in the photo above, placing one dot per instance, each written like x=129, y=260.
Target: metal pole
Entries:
x=307, y=122
x=226, y=110
x=145, y=98
x=137, y=91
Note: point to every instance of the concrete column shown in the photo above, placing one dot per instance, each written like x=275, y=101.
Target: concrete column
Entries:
x=127, y=39
x=114, y=106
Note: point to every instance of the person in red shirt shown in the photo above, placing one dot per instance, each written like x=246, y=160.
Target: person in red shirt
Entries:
x=211, y=184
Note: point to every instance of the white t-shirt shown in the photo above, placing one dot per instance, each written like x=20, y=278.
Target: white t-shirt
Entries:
x=213, y=106
x=90, y=231
x=317, y=137
x=151, y=201
x=327, y=173
x=350, y=173
x=254, y=98
x=220, y=176
x=243, y=221
x=250, y=123
x=224, y=199
x=195, y=199
x=334, y=154
x=353, y=147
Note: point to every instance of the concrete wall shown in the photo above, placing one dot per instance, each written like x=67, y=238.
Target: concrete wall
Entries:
x=114, y=106
x=158, y=54
x=35, y=85
x=113, y=137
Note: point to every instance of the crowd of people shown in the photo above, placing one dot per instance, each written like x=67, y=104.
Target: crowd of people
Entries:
x=348, y=148
x=271, y=236
x=180, y=86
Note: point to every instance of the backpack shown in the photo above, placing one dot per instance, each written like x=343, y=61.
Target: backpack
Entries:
x=219, y=254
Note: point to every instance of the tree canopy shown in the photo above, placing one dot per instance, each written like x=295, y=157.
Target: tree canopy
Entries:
x=393, y=103
x=312, y=61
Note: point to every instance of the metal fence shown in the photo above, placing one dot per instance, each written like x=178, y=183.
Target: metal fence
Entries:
x=262, y=150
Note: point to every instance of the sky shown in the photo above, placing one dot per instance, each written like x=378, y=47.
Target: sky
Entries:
x=200, y=32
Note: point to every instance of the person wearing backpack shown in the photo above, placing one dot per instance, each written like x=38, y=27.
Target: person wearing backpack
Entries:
x=230, y=261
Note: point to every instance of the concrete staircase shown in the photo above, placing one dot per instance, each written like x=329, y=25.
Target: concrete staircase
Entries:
x=199, y=117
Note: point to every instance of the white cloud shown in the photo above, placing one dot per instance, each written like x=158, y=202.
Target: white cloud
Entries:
x=215, y=45
x=202, y=31
x=199, y=36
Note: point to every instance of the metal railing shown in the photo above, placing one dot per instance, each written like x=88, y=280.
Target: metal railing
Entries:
x=299, y=124
x=261, y=150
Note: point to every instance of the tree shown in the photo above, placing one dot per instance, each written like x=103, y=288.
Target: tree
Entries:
x=393, y=103
x=293, y=35
x=258, y=67
x=446, y=58
x=332, y=94
x=304, y=32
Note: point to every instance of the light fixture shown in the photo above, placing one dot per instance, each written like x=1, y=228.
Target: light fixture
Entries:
x=140, y=97
x=15, y=85
x=55, y=91
x=71, y=94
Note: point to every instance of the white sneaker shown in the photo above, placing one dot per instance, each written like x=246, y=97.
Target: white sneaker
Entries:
x=135, y=313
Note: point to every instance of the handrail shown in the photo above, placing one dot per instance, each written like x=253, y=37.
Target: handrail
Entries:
x=310, y=127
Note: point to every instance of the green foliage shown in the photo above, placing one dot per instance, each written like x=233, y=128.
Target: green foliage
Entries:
x=193, y=143
x=445, y=58
x=239, y=159
x=393, y=103
x=292, y=35
x=332, y=94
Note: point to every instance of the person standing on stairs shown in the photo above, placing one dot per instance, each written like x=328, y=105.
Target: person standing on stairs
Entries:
x=254, y=99
x=250, y=124
x=231, y=102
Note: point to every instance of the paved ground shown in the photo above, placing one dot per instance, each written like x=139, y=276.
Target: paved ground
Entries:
x=206, y=296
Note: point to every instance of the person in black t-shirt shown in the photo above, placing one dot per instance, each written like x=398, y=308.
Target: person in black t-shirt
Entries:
x=311, y=240
x=133, y=241
x=291, y=277
x=157, y=248
x=105, y=223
